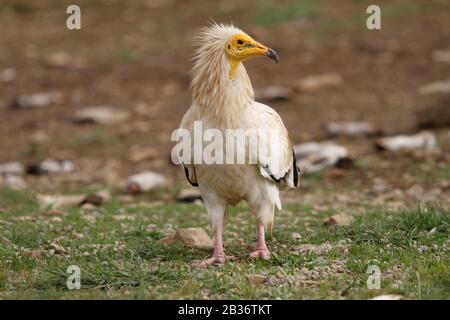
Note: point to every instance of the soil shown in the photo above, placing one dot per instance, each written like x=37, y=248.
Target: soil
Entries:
x=138, y=53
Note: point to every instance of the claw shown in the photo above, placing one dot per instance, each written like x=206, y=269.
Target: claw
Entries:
x=214, y=260
x=260, y=254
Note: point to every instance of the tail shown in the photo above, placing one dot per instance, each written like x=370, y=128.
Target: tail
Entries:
x=274, y=195
x=266, y=212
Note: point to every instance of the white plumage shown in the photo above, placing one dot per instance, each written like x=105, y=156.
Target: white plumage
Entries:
x=223, y=98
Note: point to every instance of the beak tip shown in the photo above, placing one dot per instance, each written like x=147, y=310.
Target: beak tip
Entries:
x=272, y=54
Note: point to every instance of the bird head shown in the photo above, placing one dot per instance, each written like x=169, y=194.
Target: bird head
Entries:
x=220, y=50
x=242, y=47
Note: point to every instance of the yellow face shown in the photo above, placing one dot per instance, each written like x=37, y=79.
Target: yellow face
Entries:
x=242, y=47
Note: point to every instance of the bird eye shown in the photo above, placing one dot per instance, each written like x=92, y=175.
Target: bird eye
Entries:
x=240, y=41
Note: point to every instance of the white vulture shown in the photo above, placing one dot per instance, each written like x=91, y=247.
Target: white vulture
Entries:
x=223, y=98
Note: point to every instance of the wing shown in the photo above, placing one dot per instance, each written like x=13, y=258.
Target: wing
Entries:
x=187, y=123
x=189, y=172
x=278, y=163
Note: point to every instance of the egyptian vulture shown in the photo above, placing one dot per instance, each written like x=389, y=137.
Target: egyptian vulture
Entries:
x=223, y=98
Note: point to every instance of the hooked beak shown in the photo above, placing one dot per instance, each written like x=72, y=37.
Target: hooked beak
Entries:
x=268, y=52
x=272, y=54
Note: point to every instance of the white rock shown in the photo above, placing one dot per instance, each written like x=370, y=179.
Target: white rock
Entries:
x=101, y=115
x=57, y=166
x=435, y=87
x=441, y=56
x=8, y=75
x=58, y=59
x=12, y=168
x=59, y=201
x=318, y=81
x=314, y=156
x=39, y=137
x=422, y=140
x=296, y=236
x=64, y=60
x=14, y=182
x=350, y=128
x=145, y=181
x=37, y=100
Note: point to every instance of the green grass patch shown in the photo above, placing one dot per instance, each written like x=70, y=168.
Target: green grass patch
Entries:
x=271, y=12
x=119, y=258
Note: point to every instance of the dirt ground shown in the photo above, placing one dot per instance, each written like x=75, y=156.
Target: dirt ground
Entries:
x=384, y=207
x=137, y=56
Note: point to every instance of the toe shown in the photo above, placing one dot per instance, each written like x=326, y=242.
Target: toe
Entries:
x=261, y=254
x=215, y=260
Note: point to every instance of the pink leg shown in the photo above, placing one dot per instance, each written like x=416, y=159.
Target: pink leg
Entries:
x=261, y=251
x=218, y=256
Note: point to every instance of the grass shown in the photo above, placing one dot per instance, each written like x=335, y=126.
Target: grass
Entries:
x=119, y=258
x=272, y=13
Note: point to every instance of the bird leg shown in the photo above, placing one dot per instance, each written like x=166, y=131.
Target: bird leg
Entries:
x=218, y=256
x=261, y=252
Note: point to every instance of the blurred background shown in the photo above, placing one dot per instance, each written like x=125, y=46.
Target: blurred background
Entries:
x=86, y=109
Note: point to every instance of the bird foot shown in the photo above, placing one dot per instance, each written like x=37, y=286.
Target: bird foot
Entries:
x=262, y=253
x=214, y=260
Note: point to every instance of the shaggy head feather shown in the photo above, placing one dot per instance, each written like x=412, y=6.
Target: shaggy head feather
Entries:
x=211, y=85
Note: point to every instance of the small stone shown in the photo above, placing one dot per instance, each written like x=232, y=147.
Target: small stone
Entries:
x=59, y=201
x=145, y=181
x=56, y=166
x=56, y=219
x=350, y=129
x=151, y=227
x=318, y=81
x=341, y=219
x=296, y=236
x=442, y=56
x=422, y=249
x=256, y=278
x=138, y=155
x=58, y=59
x=14, y=182
x=435, y=87
x=422, y=140
x=100, y=115
x=37, y=100
x=8, y=75
x=64, y=60
x=59, y=249
x=12, y=168
x=196, y=237
x=39, y=137
x=315, y=156
x=78, y=235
